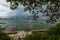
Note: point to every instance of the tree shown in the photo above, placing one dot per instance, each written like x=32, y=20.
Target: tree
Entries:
x=35, y=6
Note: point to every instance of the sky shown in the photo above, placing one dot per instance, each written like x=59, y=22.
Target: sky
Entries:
x=5, y=10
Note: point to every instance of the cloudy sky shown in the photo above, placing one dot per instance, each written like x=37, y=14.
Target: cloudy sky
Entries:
x=5, y=11
x=4, y=8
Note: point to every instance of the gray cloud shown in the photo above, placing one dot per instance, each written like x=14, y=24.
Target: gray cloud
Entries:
x=4, y=9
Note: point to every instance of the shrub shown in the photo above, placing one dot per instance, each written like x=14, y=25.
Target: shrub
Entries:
x=53, y=33
x=4, y=36
x=38, y=36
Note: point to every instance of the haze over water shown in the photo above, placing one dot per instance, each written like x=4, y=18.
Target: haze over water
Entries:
x=22, y=24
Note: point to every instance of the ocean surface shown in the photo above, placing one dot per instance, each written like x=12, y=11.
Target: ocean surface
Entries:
x=23, y=24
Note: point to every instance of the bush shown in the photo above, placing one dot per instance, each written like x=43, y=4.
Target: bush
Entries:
x=4, y=36
x=55, y=29
x=38, y=36
x=53, y=33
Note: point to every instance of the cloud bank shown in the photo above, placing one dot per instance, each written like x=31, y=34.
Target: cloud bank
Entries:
x=4, y=8
x=6, y=12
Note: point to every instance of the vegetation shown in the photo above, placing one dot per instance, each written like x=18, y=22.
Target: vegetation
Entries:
x=4, y=36
x=53, y=33
x=52, y=10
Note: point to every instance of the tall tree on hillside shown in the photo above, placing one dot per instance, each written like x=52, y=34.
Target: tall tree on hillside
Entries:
x=52, y=9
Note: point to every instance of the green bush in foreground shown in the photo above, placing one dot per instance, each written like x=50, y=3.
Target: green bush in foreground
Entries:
x=55, y=29
x=37, y=36
x=53, y=33
x=4, y=36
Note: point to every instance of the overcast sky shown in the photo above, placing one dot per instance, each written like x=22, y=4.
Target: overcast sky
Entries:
x=5, y=11
x=4, y=8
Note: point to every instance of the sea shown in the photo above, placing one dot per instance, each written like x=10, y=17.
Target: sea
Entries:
x=23, y=24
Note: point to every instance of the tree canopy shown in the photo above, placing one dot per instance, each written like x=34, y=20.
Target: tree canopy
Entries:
x=52, y=10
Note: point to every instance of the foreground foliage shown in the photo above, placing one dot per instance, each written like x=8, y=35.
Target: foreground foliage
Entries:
x=52, y=34
x=4, y=36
